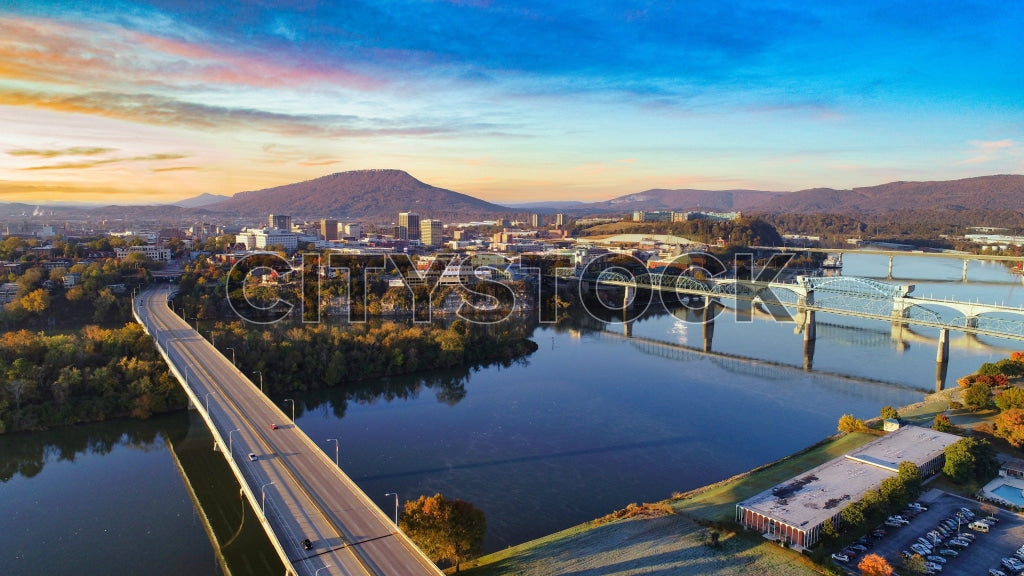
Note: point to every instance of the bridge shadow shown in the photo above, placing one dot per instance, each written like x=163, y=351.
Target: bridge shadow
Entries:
x=535, y=458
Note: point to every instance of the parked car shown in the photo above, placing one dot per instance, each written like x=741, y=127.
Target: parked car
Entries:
x=949, y=552
x=933, y=566
x=840, y=557
x=978, y=526
x=936, y=559
x=995, y=572
x=920, y=549
x=1013, y=564
x=859, y=547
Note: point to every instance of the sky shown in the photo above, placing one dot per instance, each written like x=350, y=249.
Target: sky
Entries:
x=528, y=100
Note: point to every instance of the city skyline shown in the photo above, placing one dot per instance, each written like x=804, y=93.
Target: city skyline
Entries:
x=129, y=103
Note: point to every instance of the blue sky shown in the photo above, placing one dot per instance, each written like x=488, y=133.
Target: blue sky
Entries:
x=133, y=102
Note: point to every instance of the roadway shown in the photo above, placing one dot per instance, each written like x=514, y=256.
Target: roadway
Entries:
x=292, y=483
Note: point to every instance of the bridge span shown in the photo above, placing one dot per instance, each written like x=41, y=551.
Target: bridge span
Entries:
x=298, y=492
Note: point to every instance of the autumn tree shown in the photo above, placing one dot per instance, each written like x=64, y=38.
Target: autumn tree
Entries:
x=942, y=423
x=874, y=565
x=847, y=423
x=1010, y=426
x=888, y=412
x=450, y=531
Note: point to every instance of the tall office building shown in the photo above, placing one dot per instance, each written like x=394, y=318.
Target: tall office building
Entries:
x=559, y=219
x=430, y=232
x=535, y=220
x=281, y=222
x=408, y=226
x=329, y=229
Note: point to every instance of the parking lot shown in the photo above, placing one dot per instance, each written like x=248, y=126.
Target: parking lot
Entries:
x=986, y=551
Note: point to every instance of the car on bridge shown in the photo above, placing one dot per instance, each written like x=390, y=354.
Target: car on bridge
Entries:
x=273, y=426
x=307, y=544
x=252, y=457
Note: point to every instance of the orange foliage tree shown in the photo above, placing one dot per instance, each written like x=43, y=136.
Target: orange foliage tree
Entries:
x=874, y=565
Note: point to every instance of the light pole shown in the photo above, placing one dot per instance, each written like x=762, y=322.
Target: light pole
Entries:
x=323, y=568
x=260, y=372
x=197, y=324
x=231, y=439
x=263, y=499
x=207, y=398
x=336, y=444
x=395, y=494
x=232, y=354
x=293, y=408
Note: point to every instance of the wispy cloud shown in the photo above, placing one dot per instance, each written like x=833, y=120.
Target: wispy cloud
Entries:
x=76, y=151
x=985, y=151
x=103, y=161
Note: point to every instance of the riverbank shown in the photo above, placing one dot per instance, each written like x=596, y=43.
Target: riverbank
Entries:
x=681, y=541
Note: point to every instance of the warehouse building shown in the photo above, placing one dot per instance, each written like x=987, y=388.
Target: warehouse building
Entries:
x=795, y=511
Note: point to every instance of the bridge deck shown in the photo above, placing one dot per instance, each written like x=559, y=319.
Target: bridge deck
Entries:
x=302, y=492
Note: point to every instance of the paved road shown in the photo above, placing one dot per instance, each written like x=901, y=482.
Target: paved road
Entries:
x=301, y=491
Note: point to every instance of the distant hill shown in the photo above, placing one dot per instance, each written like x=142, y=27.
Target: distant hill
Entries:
x=684, y=199
x=359, y=194
x=984, y=193
x=204, y=199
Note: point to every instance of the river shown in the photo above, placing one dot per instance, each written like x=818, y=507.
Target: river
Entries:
x=587, y=424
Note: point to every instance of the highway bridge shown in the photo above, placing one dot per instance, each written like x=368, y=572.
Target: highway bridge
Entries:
x=296, y=489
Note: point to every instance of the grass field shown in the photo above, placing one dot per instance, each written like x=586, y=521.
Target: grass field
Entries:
x=678, y=543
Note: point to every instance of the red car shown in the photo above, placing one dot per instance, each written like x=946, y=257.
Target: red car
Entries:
x=273, y=426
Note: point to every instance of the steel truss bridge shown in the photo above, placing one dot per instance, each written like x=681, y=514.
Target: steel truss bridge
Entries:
x=842, y=295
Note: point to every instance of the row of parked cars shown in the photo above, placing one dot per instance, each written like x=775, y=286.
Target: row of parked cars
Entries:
x=949, y=539
x=863, y=543
x=1012, y=564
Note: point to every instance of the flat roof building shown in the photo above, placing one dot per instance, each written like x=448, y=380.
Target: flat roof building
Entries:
x=796, y=510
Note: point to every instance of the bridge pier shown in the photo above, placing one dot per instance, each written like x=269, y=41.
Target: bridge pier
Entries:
x=965, y=270
x=628, y=295
x=709, y=322
x=890, y=265
x=808, y=355
x=627, y=328
x=940, y=376
x=810, y=327
x=942, y=356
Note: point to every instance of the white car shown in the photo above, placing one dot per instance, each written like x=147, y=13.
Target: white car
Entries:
x=840, y=557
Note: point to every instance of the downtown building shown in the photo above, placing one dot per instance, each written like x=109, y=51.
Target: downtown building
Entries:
x=431, y=232
x=408, y=226
x=795, y=511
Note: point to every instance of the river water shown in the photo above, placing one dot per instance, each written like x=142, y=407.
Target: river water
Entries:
x=587, y=424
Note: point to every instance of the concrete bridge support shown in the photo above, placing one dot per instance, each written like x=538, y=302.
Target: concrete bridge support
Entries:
x=808, y=355
x=940, y=376
x=628, y=296
x=709, y=322
x=965, y=270
x=942, y=356
x=890, y=266
x=810, y=328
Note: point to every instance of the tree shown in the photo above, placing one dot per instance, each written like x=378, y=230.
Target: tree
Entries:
x=942, y=423
x=978, y=396
x=1010, y=426
x=916, y=564
x=449, y=531
x=909, y=476
x=970, y=458
x=853, y=516
x=1010, y=398
x=829, y=534
x=847, y=423
x=888, y=412
x=960, y=461
x=874, y=565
